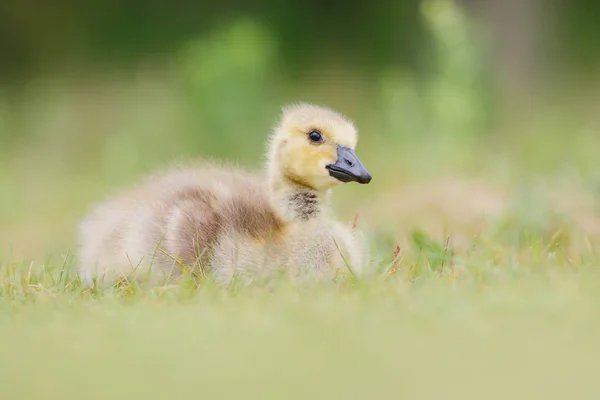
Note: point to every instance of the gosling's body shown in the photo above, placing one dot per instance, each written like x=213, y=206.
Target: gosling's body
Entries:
x=229, y=222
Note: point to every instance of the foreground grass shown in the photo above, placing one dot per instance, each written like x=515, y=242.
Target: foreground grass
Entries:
x=426, y=325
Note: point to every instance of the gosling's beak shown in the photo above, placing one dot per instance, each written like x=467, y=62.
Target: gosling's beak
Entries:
x=348, y=167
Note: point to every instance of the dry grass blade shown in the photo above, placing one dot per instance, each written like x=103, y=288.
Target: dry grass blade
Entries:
x=344, y=258
x=395, y=262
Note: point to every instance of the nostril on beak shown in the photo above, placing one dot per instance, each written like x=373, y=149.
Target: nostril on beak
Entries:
x=350, y=163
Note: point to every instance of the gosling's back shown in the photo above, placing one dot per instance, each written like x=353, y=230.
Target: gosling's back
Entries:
x=171, y=220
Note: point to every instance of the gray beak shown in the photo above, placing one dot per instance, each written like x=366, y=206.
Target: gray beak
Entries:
x=348, y=167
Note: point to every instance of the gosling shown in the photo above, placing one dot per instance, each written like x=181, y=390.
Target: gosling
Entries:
x=234, y=224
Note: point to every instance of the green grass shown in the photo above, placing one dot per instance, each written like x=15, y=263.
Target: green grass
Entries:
x=433, y=322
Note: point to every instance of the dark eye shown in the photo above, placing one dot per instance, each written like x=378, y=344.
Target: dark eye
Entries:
x=315, y=136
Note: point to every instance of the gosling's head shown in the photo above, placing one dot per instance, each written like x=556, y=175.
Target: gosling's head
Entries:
x=314, y=146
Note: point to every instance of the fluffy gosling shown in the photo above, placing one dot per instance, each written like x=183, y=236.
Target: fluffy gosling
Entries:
x=235, y=224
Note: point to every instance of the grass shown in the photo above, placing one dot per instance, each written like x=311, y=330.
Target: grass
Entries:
x=431, y=322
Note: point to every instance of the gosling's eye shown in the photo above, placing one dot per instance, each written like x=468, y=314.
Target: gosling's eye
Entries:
x=315, y=136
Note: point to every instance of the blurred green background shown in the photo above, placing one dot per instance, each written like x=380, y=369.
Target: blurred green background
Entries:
x=474, y=114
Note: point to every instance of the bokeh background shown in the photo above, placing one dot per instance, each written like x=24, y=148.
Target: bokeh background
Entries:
x=477, y=117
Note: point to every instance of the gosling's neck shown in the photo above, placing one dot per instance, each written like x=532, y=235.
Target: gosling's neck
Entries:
x=297, y=202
